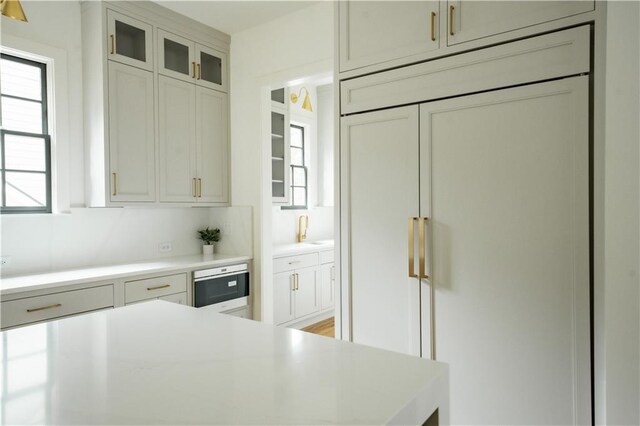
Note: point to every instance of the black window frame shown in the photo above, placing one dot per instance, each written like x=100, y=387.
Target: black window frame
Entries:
x=44, y=136
x=292, y=184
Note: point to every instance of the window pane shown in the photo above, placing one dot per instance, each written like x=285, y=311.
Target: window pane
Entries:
x=26, y=189
x=21, y=80
x=25, y=153
x=22, y=116
x=299, y=196
x=296, y=136
x=299, y=177
x=296, y=157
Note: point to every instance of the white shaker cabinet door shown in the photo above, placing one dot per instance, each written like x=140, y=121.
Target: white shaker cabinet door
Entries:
x=283, y=305
x=212, y=146
x=306, y=292
x=505, y=181
x=472, y=20
x=177, y=140
x=327, y=289
x=372, y=32
x=131, y=134
x=379, y=193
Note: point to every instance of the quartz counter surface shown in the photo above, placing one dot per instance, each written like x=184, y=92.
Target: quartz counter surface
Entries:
x=48, y=280
x=163, y=363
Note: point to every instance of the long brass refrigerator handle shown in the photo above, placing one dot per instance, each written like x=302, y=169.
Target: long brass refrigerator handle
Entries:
x=451, y=14
x=433, y=26
x=422, y=232
x=411, y=248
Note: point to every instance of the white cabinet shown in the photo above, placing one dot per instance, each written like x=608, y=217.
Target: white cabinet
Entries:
x=193, y=143
x=373, y=32
x=283, y=289
x=502, y=295
x=187, y=60
x=472, y=20
x=129, y=40
x=327, y=286
x=131, y=134
x=155, y=287
x=305, y=294
x=280, y=148
x=55, y=305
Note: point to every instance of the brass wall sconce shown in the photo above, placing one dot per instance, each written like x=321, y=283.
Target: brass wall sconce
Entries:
x=13, y=9
x=306, y=104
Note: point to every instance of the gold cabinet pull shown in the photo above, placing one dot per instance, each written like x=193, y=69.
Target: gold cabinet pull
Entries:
x=451, y=13
x=113, y=44
x=199, y=68
x=433, y=26
x=158, y=287
x=57, y=305
x=115, y=183
x=193, y=70
x=411, y=248
x=297, y=282
x=193, y=188
x=199, y=188
x=293, y=282
x=422, y=222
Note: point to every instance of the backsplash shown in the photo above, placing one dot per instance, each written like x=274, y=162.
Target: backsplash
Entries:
x=89, y=237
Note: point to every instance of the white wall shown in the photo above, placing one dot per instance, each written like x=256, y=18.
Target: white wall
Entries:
x=621, y=216
x=264, y=57
x=326, y=142
x=80, y=236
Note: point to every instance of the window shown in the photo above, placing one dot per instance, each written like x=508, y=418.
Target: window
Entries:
x=25, y=145
x=299, y=190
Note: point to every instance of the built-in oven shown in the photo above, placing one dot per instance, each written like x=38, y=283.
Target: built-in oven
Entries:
x=222, y=288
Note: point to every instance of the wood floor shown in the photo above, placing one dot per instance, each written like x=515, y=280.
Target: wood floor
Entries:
x=323, y=328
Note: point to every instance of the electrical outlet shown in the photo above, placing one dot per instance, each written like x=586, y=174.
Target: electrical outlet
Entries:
x=165, y=247
x=4, y=261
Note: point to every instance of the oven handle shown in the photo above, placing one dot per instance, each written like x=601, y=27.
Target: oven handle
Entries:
x=212, y=277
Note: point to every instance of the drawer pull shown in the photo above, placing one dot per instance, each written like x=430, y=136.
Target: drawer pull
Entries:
x=57, y=305
x=158, y=287
x=293, y=262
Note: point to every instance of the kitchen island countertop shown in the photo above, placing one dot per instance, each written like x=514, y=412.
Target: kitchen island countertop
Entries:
x=163, y=363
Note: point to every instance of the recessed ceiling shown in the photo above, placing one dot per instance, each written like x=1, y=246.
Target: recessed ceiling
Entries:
x=234, y=16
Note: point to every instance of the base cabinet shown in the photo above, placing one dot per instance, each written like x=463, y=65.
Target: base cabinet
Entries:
x=327, y=286
x=295, y=294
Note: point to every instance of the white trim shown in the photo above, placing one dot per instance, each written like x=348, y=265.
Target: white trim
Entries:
x=57, y=109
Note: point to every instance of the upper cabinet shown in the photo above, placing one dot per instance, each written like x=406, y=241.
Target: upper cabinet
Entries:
x=129, y=40
x=187, y=60
x=376, y=35
x=472, y=20
x=373, y=32
x=156, y=107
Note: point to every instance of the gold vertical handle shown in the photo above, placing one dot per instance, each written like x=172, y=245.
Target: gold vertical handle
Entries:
x=433, y=26
x=193, y=70
x=411, y=247
x=115, y=183
x=297, y=282
x=193, y=187
x=452, y=10
x=199, y=68
x=199, y=188
x=113, y=43
x=421, y=252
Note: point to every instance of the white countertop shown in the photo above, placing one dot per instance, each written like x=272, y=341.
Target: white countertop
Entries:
x=11, y=285
x=300, y=248
x=163, y=363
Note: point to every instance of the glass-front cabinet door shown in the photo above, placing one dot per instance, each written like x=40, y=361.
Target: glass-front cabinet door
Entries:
x=176, y=56
x=129, y=41
x=211, y=68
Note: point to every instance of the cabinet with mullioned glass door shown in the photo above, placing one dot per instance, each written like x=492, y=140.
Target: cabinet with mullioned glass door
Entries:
x=280, y=148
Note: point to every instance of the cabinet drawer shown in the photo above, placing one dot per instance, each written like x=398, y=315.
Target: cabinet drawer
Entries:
x=290, y=263
x=326, y=256
x=50, y=306
x=152, y=288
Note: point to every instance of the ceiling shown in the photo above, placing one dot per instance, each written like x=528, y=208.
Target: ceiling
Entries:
x=234, y=16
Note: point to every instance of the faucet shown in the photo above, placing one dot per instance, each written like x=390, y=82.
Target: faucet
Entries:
x=302, y=235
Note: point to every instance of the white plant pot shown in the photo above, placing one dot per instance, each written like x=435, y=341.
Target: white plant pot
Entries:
x=207, y=248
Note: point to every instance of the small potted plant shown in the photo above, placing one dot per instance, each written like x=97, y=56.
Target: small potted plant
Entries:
x=209, y=236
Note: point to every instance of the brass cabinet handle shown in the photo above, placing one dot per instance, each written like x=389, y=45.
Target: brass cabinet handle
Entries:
x=193, y=188
x=193, y=70
x=433, y=26
x=199, y=72
x=57, y=305
x=199, y=188
x=423, y=237
x=451, y=13
x=411, y=247
x=115, y=183
x=113, y=44
x=293, y=282
x=297, y=282
x=158, y=287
